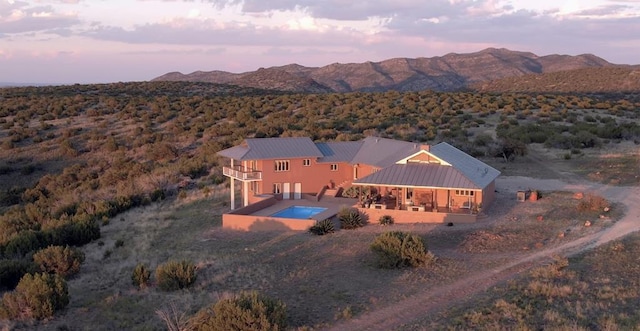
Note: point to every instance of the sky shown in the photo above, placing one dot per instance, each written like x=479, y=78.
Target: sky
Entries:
x=103, y=41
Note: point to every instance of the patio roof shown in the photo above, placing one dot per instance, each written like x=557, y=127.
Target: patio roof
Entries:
x=480, y=173
x=419, y=175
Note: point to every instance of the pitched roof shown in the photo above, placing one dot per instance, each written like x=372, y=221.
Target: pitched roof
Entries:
x=419, y=175
x=339, y=151
x=480, y=173
x=382, y=152
x=272, y=148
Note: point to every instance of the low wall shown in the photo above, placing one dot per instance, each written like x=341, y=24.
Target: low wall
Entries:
x=405, y=216
x=241, y=219
x=267, y=201
x=264, y=223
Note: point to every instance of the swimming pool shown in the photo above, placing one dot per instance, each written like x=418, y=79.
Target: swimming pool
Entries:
x=300, y=212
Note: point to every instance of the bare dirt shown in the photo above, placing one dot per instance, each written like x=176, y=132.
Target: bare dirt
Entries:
x=433, y=300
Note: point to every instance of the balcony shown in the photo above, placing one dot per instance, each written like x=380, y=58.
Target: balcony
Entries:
x=242, y=174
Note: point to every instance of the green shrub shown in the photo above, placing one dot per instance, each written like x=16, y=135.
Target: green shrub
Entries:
x=11, y=271
x=175, y=275
x=322, y=227
x=157, y=195
x=140, y=276
x=247, y=311
x=350, y=218
x=64, y=261
x=37, y=296
x=386, y=220
x=398, y=249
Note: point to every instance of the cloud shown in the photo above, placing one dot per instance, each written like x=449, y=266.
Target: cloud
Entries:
x=19, y=17
x=210, y=32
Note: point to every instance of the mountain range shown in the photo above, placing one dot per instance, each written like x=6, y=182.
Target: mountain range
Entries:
x=451, y=72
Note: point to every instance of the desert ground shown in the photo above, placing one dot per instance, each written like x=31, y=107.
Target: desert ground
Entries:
x=331, y=282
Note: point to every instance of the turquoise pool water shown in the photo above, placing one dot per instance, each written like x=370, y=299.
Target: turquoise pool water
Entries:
x=300, y=212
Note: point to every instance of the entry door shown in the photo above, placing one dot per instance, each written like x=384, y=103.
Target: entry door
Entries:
x=286, y=191
x=297, y=191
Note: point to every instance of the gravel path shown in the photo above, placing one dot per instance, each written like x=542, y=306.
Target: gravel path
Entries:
x=434, y=300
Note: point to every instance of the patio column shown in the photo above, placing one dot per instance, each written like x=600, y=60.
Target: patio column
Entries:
x=245, y=188
x=233, y=190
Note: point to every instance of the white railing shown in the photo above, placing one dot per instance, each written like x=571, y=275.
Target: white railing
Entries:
x=240, y=173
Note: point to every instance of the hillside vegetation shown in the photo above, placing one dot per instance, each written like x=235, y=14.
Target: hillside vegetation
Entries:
x=585, y=80
x=74, y=157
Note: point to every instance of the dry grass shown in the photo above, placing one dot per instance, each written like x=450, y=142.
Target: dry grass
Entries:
x=320, y=278
x=569, y=294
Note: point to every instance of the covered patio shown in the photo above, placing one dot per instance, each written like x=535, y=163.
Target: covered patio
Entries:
x=420, y=193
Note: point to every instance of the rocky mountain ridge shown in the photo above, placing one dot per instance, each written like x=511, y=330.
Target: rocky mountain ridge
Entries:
x=450, y=72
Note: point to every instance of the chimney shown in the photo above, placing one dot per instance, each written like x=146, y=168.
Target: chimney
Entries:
x=424, y=147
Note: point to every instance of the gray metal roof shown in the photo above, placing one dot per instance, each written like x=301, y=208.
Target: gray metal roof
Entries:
x=475, y=170
x=339, y=151
x=273, y=148
x=419, y=175
x=382, y=152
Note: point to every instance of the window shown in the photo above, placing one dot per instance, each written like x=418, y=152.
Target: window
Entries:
x=277, y=188
x=465, y=193
x=281, y=165
x=334, y=167
x=306, y=162
x=254, y=187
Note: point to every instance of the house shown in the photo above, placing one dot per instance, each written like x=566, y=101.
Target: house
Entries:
x=409, y=181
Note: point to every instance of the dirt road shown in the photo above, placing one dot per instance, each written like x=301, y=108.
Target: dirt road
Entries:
x=433, y=300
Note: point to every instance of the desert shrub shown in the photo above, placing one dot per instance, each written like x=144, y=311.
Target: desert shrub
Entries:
x=118, y=243
x=157, y=195
x=322, y=227
x=175, y=275
x=247, y=311
x=75, y=233
x=64, y=261
x=385, y=220
x=140, y=276
x=37, y=296
x=354, y=192
x=592, y=203
x=350, y=218
x=398, y=249
x=11, y=271
x=24, y=242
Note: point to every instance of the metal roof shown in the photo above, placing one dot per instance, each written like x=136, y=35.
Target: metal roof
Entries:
x=419, y=175
x=273, y=148
x=382, y=152
x=339, y=151
x=475, y=170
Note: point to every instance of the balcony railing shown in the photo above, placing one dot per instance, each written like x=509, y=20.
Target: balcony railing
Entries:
x=240, y=173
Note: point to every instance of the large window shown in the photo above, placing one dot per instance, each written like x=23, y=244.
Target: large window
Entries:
x=281, y=165
x=306, y=162
x=464, y=193
x=277, y=188
x=334, y=167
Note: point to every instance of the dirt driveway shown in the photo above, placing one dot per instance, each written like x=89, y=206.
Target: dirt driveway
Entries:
x=432, y=301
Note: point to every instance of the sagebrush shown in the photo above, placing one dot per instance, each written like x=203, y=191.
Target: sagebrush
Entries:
x=246, y=311
x=398, y=249
x=175, y=275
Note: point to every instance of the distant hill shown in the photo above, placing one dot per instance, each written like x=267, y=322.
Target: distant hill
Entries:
x=451, y=72
x=605, y=79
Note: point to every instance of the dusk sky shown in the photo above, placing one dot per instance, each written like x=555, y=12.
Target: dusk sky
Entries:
x=96, y=41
